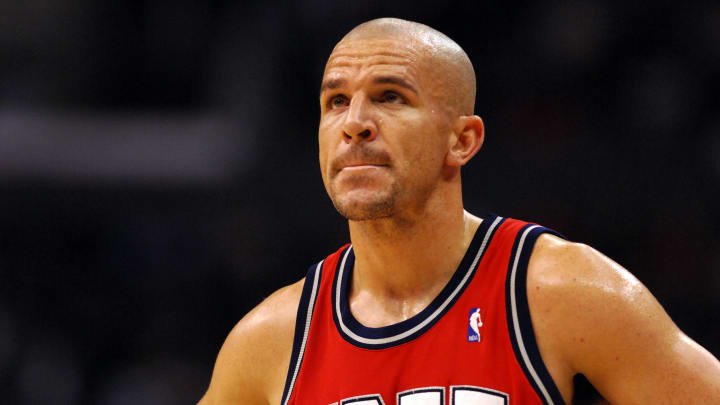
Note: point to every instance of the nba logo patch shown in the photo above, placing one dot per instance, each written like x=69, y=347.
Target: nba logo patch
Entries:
x=474, y=325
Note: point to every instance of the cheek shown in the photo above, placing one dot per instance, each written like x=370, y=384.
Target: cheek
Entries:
x=324, y=147
x=322, y=157
x=427, y=143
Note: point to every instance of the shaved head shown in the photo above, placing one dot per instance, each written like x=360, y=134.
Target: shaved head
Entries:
x=448, y=67
x=396, y=120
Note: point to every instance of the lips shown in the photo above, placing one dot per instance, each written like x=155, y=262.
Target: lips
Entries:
x=361, y=158
x=362, y=164
x=360, y=167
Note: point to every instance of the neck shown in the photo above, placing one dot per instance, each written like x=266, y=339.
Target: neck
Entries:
x=402, y=264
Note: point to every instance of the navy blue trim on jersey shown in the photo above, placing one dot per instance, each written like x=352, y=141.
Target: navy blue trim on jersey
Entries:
x=409, y=329
x=305, y=311
x=522, y=335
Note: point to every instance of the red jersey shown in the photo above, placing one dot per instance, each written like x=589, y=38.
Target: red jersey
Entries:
x=473, y=345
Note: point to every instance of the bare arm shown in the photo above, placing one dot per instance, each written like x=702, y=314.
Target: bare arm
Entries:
x=252, y=363
x=593, y=317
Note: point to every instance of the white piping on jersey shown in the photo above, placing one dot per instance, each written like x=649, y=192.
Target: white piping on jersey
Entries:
x=491, y=391
x=438, y=311
x=308, y=318
x=516, y=321
x=376, y=397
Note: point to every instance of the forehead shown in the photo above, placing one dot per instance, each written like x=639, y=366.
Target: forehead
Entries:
x=374, y=54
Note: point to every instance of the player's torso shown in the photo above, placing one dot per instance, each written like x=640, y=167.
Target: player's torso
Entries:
x=470, y=346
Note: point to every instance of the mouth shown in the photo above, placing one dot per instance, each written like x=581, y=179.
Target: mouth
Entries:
x=360, y=159
x=362, y=166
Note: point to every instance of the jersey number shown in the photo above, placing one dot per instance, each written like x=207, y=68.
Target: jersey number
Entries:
x=459, y=395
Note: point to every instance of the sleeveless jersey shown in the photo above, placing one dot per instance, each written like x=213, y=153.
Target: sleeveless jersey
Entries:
x=473, y=345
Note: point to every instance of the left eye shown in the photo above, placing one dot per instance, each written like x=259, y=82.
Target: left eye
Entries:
x=391, y=97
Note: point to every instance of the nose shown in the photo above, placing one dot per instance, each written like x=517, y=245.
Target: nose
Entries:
x=359, y=123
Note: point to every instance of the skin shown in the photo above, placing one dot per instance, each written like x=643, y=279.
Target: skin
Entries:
x=396, y=126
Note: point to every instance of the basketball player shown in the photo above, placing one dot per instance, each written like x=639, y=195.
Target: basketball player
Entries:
x=389, y=319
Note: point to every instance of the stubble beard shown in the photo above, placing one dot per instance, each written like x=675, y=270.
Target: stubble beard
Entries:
x=367, y=209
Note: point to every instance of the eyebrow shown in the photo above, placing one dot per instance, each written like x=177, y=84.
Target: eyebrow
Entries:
x=332, y=84
x=396, y=81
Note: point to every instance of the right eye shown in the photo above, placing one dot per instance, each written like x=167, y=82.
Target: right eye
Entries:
x=338, y=101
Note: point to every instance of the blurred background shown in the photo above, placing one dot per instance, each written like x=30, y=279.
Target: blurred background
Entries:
x=158, y=168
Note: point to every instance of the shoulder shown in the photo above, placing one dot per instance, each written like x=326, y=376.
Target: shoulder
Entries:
x=253, y=362
x=563, y=274
x=270, y=323
x=591, y=316
x=579, y=298
x=558, y=263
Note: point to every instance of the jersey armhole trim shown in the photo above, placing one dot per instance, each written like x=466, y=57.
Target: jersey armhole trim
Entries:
x=302, y=327
x=519, y=322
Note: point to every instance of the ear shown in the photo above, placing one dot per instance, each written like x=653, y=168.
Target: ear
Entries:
x=466, y=140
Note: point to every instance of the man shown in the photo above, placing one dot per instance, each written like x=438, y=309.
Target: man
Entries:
x=386, y=320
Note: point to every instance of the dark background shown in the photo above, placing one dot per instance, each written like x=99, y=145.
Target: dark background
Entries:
x=158, y=168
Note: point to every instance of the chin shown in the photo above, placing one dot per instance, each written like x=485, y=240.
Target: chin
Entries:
x=365, y=210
